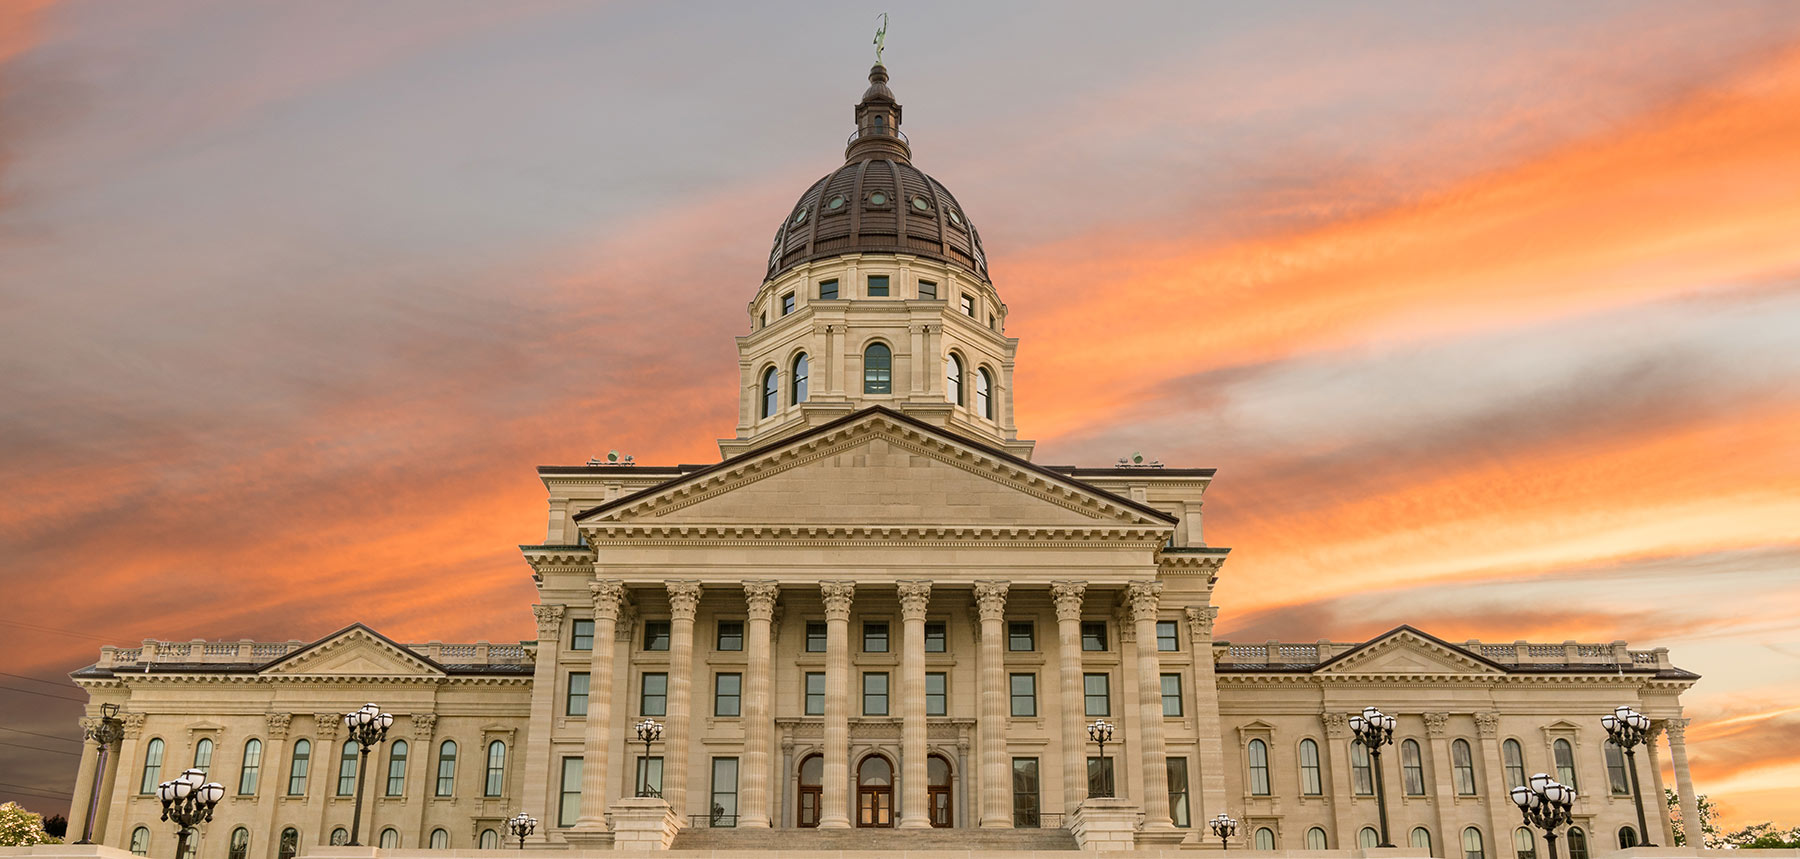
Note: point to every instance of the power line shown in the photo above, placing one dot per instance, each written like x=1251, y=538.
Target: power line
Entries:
x=36, y=734
x=41, y=749
x=38, y=628
x=33, y=791
x=45, y=694
x=61, y=683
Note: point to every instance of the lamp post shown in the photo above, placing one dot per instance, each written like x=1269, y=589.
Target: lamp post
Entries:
x=1101, y=732
x=109, y=730
x=1375, y=729
x=520, y=826
x=1627, y=728
x=187, y=802
x=1224, y=827
x=368, y=726
x=1545, y=804
x=648, y=731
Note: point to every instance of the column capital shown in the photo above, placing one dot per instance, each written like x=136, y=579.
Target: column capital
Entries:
x=549, y=620
x=423, y=726
x=326, y=725
x=1068, y=599
x=762, y=596
x=684, y=600
x=1436, y=724
x=608, y=593
x=1676, y=728
x=1143, y=597
x=1337, y=725
x=278, y=724
x=914, y=597
x=990, y=600
x=837, y=597
x=1200, y=623
x=1487, y=724
x=134, y=724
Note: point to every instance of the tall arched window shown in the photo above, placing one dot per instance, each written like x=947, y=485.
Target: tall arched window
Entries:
x=446, y=771
x=1421, y=838
x=984, y=393
x=1472, y=844
x=251, y=772
x=1616, y=776
x=1311, y=784
x=390, y=837
x=1367, y=838
x=953, y=379
x=1362, y=777
x=439, y=839
x=298, y=767
x=1315, y=839
x=203, y=755
x=1265, y=838
x=347, y=769
x=798, y=394
x=1515, y=763
x=140, y=841
x=289, y=846
x=153, y=755
x=396, y=780
x=1412, y=769
x=490, y=840
x=1565, y=762
x=1259, y=768
x=239, y=847
x=1524, y=846
x=812, y=779
x=1462, y=763
x=496, y=769
x=1578, y=846
x=771, y=392
x=878, y=369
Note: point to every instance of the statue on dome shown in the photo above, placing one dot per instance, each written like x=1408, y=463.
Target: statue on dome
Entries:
x=881, y=38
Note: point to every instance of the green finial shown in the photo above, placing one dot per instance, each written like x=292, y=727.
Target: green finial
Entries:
x=881, y=38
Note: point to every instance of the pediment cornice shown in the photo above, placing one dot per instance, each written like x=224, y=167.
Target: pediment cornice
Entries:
x=626, y=533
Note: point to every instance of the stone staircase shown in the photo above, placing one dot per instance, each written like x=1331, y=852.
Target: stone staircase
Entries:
x=787, y=841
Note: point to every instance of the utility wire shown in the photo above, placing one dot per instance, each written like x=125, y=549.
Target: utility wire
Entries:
x=45, y=736
x=31, y=790
x=41, y=749
x=61, y=683
x=38, y=628
x=45, y=694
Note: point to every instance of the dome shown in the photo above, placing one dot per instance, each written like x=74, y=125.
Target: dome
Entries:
x=878, y=202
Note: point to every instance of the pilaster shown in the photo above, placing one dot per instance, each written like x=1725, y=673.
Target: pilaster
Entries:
x=1499, y=803
x=1208, y=730
x=421, y=758
x=1444, y=792
x=543, y=682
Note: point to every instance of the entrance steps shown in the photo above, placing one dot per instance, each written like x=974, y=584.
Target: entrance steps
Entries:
x=789, y=841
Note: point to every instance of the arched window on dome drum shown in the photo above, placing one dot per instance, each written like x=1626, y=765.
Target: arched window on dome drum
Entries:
x=771, y=392
x=984, y=393
x=1311, y=784
x=1315, y=839
x=798, y=395
x=1578, y=848
x=153, y=755
x=953, y=380
x=878, y=369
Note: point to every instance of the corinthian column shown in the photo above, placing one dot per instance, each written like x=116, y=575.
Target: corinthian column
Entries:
x=837, y=704
x=607, y=595
x=1684, y=785
x=915, y=810
x=1068, y=635
x=990, y=602
x=1144, y=596
x=758, y=727
x=684, y=602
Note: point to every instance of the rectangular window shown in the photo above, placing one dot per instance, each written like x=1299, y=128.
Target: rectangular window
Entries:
x=815, y=693
x=1165, y=636
x=1025, y=793
x=653, y=695
x=1171, y=694
x=1100, y=776
x=875, y=637
x=937, y=637
x=1024, y=694
x=968, y=305
x=828, y=290
x=1096, y=694
x=568, y=806
x=787, y=304
x=937, y=694
x=1093, y=635
x=578, y=695
x=878, y=286
x=656, y=635
x=993, y=323
x=581, y=635
x=1178, y=792
x=927, y=290
x=815, y=636
x=875, y=693
x=1021, y=635
x=649, y=776
x=728, y=691
x=724, y=792
x=731, y=635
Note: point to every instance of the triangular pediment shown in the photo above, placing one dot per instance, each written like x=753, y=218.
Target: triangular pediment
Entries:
x=877, y=468
x=354, y=652
x=1408, y=651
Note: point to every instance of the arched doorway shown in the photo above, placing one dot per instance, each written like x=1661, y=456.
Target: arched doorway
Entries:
x=937, y=792
x=875, y=793
x=812, y=791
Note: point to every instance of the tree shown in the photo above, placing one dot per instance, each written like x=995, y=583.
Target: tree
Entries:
x=1709, y=820
x=1764, y=835
x=21, y=828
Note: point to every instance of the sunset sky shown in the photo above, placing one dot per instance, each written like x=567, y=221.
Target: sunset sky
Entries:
x=1488, y=314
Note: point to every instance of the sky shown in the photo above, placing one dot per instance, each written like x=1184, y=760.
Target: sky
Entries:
x=1488, y=314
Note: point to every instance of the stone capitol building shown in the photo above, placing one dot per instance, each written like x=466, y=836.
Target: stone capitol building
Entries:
x=877, y=615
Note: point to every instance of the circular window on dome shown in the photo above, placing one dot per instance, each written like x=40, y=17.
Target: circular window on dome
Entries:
x=921, y=204
x=800, y=216
x=955, y=218
x=878, y=198
x=835, y=203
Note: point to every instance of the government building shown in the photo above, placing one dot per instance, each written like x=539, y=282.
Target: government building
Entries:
x=878, y=622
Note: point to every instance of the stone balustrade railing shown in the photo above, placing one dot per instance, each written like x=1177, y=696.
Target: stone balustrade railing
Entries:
x=201, y=652
x=1514, y=653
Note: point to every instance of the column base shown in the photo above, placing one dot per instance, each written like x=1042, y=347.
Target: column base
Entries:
x=643, y=823
x=996, y=823
x=914, y=822
x=834, y=823
x=753, y=823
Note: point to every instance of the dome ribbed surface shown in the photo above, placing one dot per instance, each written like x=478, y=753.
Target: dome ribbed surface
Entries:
x=879, y=212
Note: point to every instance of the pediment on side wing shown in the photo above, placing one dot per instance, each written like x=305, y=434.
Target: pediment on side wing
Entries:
x=354, y=652
x=1406, y=651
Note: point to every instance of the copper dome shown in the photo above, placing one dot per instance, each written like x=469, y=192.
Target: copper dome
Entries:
x=877, y=202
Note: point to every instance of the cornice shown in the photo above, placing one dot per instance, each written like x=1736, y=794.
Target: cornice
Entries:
x=541, y=558
x=1071, y=537
x=1227, y=677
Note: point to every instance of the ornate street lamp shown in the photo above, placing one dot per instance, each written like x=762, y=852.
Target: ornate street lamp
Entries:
x=1628, y=728
x=368, y=726
x=1101, y=732
x=1375, y=729
x=522, y=825
x=1224, y=827
x=1546, y=805
x=188, y=802
x=109, y=730
x=648, y=731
